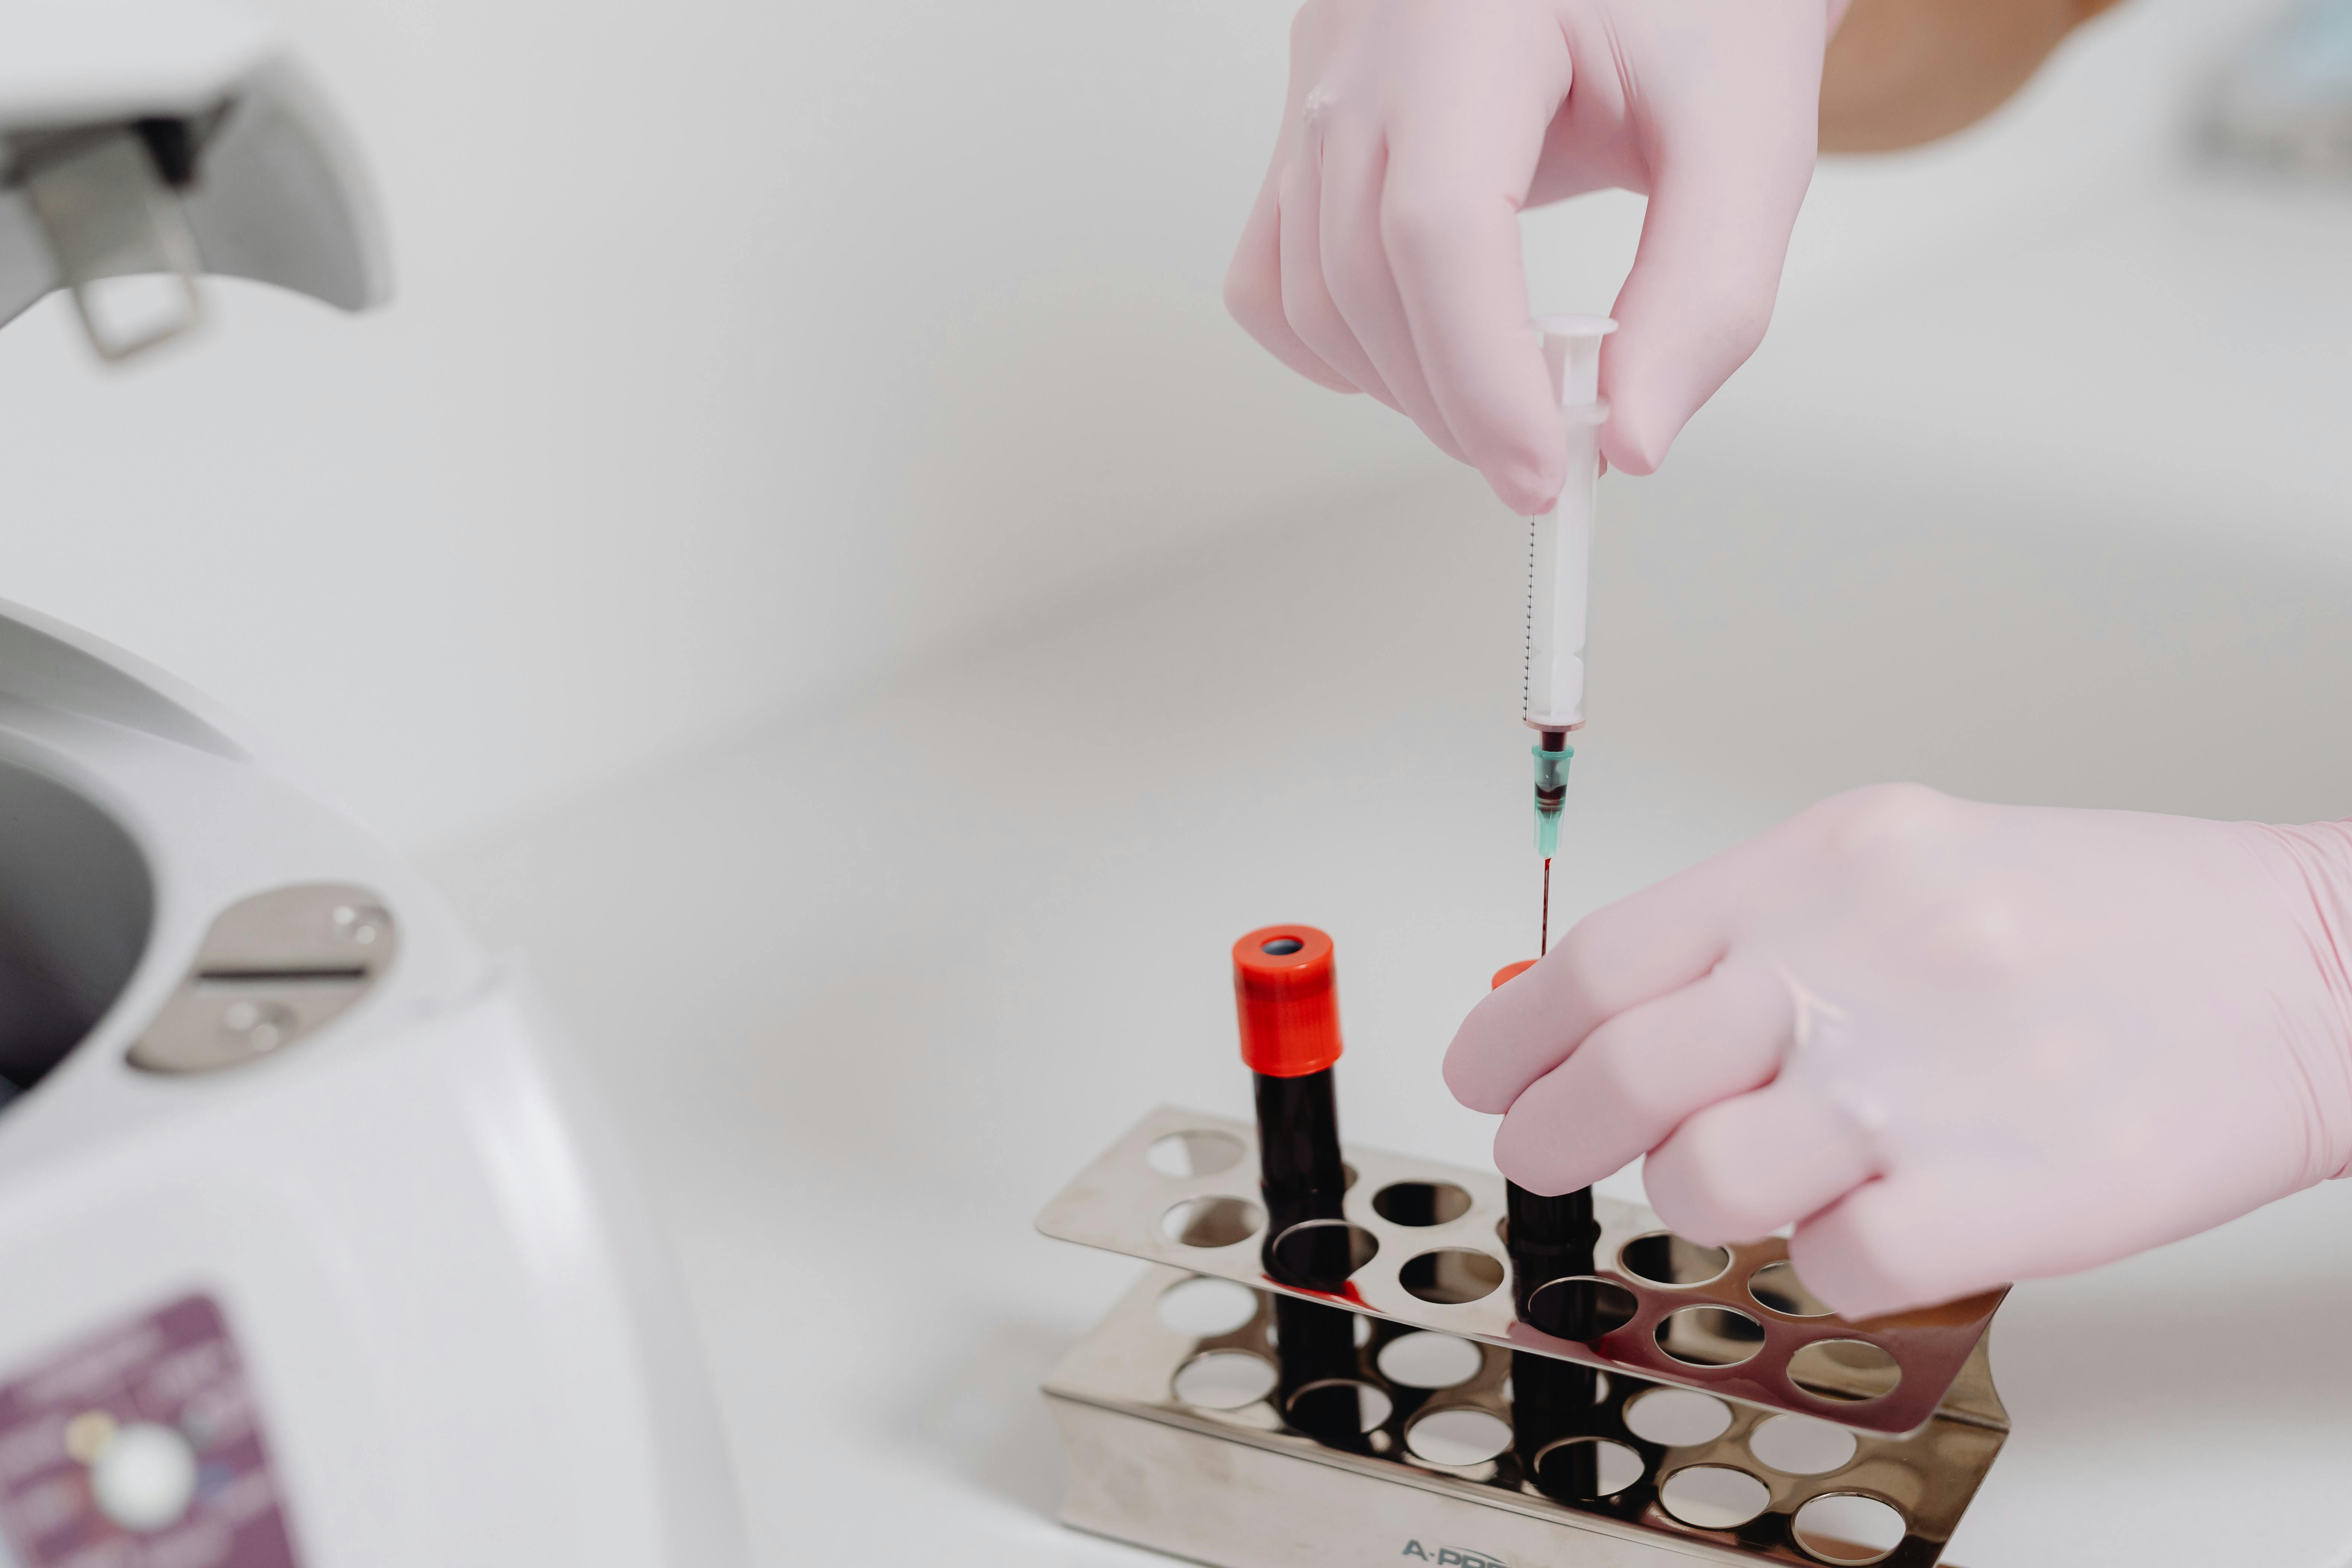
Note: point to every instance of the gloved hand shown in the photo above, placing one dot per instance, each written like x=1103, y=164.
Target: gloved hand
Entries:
x=1954, y=1045
x=1384, y=253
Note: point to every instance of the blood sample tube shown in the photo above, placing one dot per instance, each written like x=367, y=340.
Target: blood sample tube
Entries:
x=1284, y=989
x=1552, y=1238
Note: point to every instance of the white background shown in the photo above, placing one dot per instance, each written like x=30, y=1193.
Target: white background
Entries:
x=808, y=560
x=745, y=356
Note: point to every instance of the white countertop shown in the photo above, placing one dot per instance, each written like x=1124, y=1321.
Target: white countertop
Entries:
x=869, y=984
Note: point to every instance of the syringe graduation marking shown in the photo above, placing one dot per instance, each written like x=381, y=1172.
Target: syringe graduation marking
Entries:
x=1527, y=646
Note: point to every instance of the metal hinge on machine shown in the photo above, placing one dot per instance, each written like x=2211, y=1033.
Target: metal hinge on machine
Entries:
x=108, y=205
x=273, y=968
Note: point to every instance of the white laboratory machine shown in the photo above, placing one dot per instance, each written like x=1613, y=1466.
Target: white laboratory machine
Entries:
x=315, y=1249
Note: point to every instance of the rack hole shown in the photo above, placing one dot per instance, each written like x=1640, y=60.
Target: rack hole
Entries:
x=1426, y=1359
x=1801, y=1445
x=1848, y=1371
x=1847, y=1528
x=1211, y=1222
x=1194, y=1153
x=1662, y=1258
x=1586, y=1469
x=1709, y=1336
x=1224, y=1380
x=1420, y=1202
x=1205, y=1308
x=1452, y=1275
x=1776, y=1286
x=1714, y=1497
x=1319, y=1254
x=1677, y=1417
x=1338, y=1407
x=1458, y=1436
x=1582, y=1308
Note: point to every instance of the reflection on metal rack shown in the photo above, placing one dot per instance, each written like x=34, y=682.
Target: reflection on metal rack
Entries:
x=1180, y=1439
x=1181, y=1188
x=1369, y=1357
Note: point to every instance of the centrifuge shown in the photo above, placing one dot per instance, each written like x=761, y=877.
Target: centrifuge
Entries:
x=316, y=1250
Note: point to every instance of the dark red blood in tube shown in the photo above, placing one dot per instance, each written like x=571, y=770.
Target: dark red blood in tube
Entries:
x=1551, y=1238
x=1289, y=1013
x=1289, y=1016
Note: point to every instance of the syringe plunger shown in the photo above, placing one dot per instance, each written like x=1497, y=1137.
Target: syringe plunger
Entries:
x=1559, y=542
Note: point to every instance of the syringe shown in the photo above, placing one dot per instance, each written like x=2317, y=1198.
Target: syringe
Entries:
x=1560, y=559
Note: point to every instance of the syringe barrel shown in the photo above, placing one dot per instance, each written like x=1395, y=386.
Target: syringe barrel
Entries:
x=1559, y=541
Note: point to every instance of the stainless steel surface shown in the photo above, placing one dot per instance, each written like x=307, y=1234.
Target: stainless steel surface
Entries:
x=273, y=968
x=1240, y=1487
x=1738, y=1345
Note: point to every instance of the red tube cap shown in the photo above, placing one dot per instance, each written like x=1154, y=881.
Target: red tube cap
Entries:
x=1289, y=1003
x=1510, y=972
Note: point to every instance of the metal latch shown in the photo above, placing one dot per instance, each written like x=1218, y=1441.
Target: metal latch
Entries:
x=119, y=237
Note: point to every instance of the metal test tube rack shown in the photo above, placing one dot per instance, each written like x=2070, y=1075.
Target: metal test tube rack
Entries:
x=1207, y=1469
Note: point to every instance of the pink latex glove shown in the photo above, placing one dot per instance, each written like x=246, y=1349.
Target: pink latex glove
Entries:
x=1384, y=253
x=1954, y=1045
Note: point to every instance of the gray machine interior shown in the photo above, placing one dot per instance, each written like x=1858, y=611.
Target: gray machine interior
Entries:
x=76, y=903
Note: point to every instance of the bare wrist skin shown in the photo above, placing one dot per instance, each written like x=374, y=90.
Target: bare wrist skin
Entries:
x=1899, y=73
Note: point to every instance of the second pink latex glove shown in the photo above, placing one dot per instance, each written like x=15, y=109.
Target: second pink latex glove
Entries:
x=1384, y=253
x=1953, y=1045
